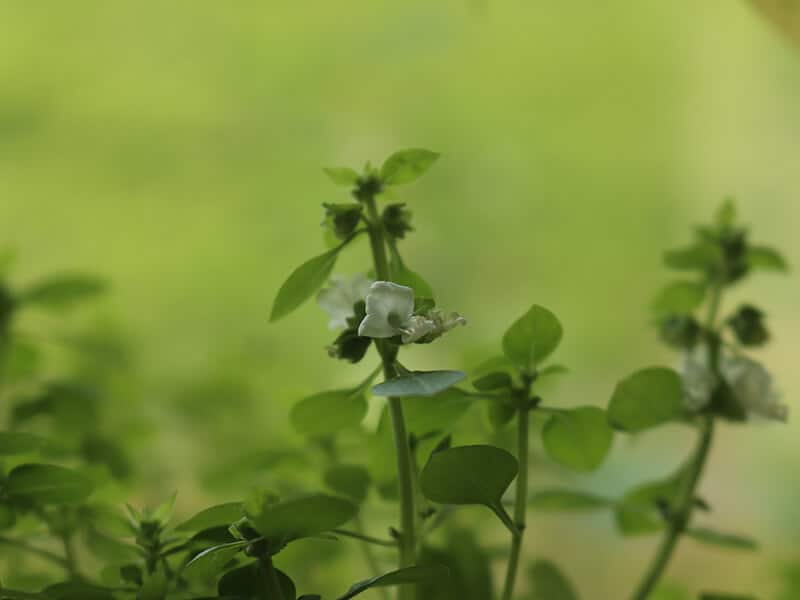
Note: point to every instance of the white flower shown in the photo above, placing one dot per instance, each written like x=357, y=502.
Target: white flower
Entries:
x=390, y=312
x=339, y=297
x=752, y=385
x=749, y=381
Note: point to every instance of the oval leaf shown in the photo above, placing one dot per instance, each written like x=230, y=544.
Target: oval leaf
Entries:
x=436, y=413
x=679, y=298
x=726, y=540
x=48, y=484
x=328, y=412
x=409, y=575
x=647, y=398
x=419, y=383
x=578, y=438
x=532, y=338
x=549, y=583
x=62, y=291
x=406, y=166
x=349, y=480
x=215, y=516
x=302, y=517
x=303, y=282
x=343, y=176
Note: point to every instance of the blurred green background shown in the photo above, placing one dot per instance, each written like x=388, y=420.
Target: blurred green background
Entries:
x=175, y=148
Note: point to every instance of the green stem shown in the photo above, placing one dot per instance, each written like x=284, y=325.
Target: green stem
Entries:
x=407, y=545
x=359, y=534
x=273, y=584
x=685, y=501
x=520, y=503
x=366, y=548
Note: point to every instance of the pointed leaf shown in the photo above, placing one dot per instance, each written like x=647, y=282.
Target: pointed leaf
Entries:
x=215, y=516
x=62, y=291
x=716, y=538
x=343, y=176
x=302, y=517
x=409, y=575
x=213, y=560
x=328, y=412
x=48, y=484
x=419, y=383
x=303, y=282
x=406, y=166
x=765, y=258
x=532, y=338
x=549, y=583
x=647, y=398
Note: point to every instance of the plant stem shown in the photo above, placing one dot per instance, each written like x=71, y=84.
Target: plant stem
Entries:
x=367, y=550
x=407, y=545
x=273, y=584
x=359, y=534
x=521, y=501
x=685, y=501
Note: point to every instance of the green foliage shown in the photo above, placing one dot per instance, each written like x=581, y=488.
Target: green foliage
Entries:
x=301, y=517
x=549, y=583
x=532, y=338
x=419, y=383
x=724, y=540
x=406, y=166
x=409, y=575
x=579, y=438
x=352, y=481
x=647, y=398
x=329, y=412
x=47, y=484
x=63, y=291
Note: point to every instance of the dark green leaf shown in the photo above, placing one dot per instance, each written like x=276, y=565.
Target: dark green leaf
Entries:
x=75, y=590
x=328, y=412
x=496, y=380
x=406, y=166
x=62, y=291
x=302, y=517
x=716, y=538
x=250, y=582
x=532, y=338
x=48, y=484
x=698, y=257
x=721, y=596
x=549, y=583
x=213, y=560
x=409, y=575
x=469, y=566
x=436, y=413
x=303, y=282
x=343, y=176
x=215, y=516
x=419, y=383
x=12, y=442
x=765, y=258
x=348, y=480
x=647, y=398
x=641, y=510
x=567, y=500
x=579, y=438
x=500, y=413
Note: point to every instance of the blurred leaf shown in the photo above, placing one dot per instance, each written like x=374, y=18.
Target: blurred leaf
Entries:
x=469, y=565
x=329, y=412
x=75, y=590
x=12, y=442
x=343, y=176
x=579, y=438
x=250, y=581
x=417, y=574
x=496, y=380
x=63, y=291
x=766, y=258
x=406, y=166
x=532, y=338
x=348, y=480
x=697, y=257
x=302, y=517
x=641, y=509
x=48, y=484
x=215, y=516
x=213, y=560
x=20, y=361
x=716, y=538
x=500, y=413
x=721, y=596
x=303, y=282
x=647, y=398
x=679, y=298
x=402, y=275
x=567, y=500
x=549, y=583
x=419, y=383
x=470, y=475
x=436, y=413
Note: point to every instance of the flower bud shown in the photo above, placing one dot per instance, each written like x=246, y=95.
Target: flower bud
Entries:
x=748, y=325
x=680, y=331
x=397, y=220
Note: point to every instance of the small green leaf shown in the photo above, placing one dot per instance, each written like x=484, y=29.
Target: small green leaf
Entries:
x=470, y=475
x=12, y=442
x=63, y=291
x=640, y=511
x=496, y=380
x=722, y=596
x=302, y=517
x=250, y=581
x=215, y=516
x=213, y=560
x=567, y=500
x=436, y=413
x=532, y=338
x=647, y=398
x=500, y=413
x=406, y=166
x=716, y=538
x=552, y=370
x=303, y=282
x=549, y=583
x=697, y=257
x=328, y=412
x=348, y=480
x=343, y=176
x=419, y=383
x=766, y=258
x=679, y=298
x=409, y=575
x=579, y=438
x=48, y=484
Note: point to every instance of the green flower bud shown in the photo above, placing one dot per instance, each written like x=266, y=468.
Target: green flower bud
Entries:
x=680, y=331
x=748, y=325
x=342, y=218
x=397, y=220
x=367, y=186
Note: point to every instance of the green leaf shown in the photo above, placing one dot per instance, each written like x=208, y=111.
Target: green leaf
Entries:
x=697, y=257
x=436, y=413
x=406, y=166
x=639, y=511
x=328, y=412
x=12, y=442
x=496, y=380
x=579, y=438
x=348, y=480
x=500, y=413
x=567, y=500
x=469, y=565
x=419, y=383
x=552, y=370
x=213, y=560
x=48, y=484
x=766, y=258
x=250, y=581
x=302, y=517
x=215, y=516
x=343, y=176
x=63, y=291
x=470, y=475
x=402, y=275
x=716, y=538
x=409, y=575
x=74, y=590
x=303, y=282
x=532, y=338
x=721, y=596
x=679, y=298
x=647, y=398
x=549, y=583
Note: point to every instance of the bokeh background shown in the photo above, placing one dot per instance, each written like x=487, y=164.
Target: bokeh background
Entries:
x=175, y=149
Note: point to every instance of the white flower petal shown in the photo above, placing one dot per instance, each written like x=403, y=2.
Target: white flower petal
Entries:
x=417, y=328
x=339, y=297
x=375, y=326
x=698, y=380
x=388, y=299
x=752, y=385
